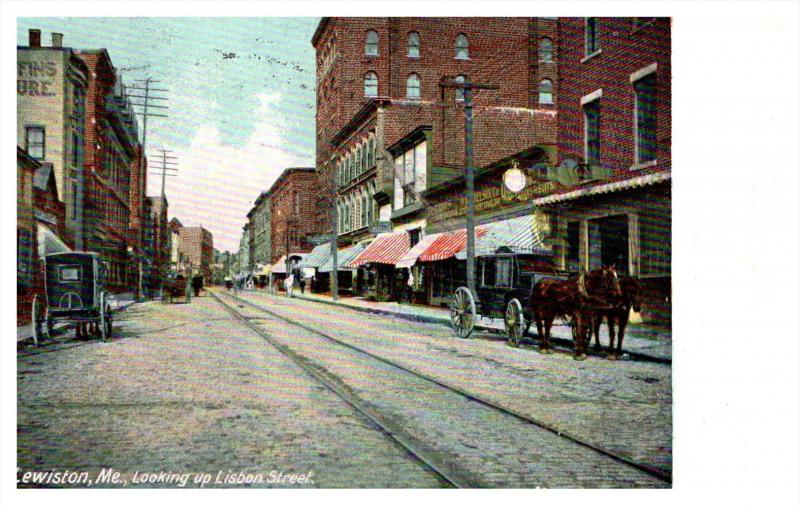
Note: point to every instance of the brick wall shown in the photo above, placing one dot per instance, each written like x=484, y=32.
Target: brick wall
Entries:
x=290, y=221
x=624, y=50
x=197, y=248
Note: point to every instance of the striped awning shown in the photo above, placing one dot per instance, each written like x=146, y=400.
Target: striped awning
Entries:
x=386, y=249
x=519, y=235
x=343, y=257
x=317, y=257
x=449, y=244
x=409, y=258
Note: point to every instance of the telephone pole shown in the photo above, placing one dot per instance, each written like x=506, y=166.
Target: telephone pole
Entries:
x=469, y=171
x=164, y=162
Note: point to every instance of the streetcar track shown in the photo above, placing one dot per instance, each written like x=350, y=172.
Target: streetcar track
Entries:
x=445, y=472
x=643, y=467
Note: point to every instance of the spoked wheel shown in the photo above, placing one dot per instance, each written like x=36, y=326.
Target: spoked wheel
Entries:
x=515, y=322
x=105, y=317
x=462, y=312
x=39, y=324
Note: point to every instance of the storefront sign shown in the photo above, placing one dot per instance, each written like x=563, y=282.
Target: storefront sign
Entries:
x=36, y=78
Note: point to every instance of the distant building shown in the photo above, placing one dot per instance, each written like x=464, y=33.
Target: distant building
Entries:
x=175, y=259
x=260, y=220
x=244, y=250
x=156, y=240
x=292, y=198
x=51, y=115
x=196, y=249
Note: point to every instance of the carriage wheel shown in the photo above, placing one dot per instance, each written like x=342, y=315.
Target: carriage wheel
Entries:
x=462, y=312
x=515, y=322
x=105, y=317
x=39, y=323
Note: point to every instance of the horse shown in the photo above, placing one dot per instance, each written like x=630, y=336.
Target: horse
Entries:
x=577, y=297
x=630, y=298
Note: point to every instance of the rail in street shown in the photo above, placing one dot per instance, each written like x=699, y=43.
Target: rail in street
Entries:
x=516, y=449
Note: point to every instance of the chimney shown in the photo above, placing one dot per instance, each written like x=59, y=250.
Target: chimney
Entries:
x=57, y=39
x=35, y=38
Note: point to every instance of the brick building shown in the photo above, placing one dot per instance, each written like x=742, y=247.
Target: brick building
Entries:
x=51, y=90
x=388, y=130
x=112, y=155
x=292, y=211
x=245, y=244
x=196, y=248
x=260, y=220
x=614, y=115
x=156, y=240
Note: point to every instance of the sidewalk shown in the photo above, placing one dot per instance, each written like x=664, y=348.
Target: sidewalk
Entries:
x=118, y=301
x=651, y=343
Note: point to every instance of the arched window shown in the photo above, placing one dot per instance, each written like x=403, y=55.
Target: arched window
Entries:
x=462, y=47
x=364, y=163
x=358, y=161
x=545, y=91
x=370, y=84
x=369, y=204
x=546, y=50
x=460, y=91
x=413, y=45
x=412, y=86
x=352, y=211
x=363, y=208
x=371, y=45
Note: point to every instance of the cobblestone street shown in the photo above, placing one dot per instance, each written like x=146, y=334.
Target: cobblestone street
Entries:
x=188, y=388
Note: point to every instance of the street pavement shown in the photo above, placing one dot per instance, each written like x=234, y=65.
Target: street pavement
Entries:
x=187, y=388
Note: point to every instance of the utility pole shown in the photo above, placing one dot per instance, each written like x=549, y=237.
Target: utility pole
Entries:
x=164, y=162
x=144, y=101
x=469, y=171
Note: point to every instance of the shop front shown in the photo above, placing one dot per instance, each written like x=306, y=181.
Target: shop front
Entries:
x=623, y=222
x=382, y=281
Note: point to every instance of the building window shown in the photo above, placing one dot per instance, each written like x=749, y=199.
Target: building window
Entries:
x=591, y=114
x=462, y=47
x=74, y=201
x=592, y=39
x=363, y=208
x=364, y=149
x=546, y=50
x=413, y=236
x=34, y=141
x=370, y=84
x=412, y=86
x=573, y=245
x=645, y=89
x=371, y=152
x=297, y=202
x=409, y=175
x=371, y=46
x=546, y=91
x=460, y=90
x=359, y=166
x=413, y=45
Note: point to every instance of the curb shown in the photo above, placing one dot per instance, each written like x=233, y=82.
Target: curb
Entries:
x=560, y=342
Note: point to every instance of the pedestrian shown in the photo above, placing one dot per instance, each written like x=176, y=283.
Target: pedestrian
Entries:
x=289, y=284
x=302, y=285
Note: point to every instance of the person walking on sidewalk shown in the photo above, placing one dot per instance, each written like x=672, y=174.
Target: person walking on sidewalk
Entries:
x=302, y=285
x=289, y=284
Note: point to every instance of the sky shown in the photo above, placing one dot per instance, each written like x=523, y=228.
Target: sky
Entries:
x=241, y=103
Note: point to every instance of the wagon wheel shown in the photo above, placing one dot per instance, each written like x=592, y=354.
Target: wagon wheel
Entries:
x=39, y=323
x=515, y=322
x=462, y=312
x=105, y=317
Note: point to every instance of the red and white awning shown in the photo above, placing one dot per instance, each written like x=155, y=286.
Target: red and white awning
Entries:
x=409, y=258
x=386, y=249
x=449, y=244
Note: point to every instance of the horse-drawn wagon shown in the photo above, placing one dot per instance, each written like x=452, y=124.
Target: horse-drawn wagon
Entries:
x=504, y=282
x=175, y=287
x=74, y=293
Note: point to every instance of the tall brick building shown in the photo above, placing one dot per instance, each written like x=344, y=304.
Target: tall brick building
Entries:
x=389, y=133
x=614, y=114
x=292, y=212
x=196, y=248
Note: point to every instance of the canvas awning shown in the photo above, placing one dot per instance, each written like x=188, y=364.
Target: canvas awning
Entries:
x=279, y=267
x=48, y=241
x=343, y=257
x=519, y=235
x=386, y=249
x=317, y=257
x=449, y=244
x=409, y=258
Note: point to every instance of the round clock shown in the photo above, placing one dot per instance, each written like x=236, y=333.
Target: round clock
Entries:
x=515, y=180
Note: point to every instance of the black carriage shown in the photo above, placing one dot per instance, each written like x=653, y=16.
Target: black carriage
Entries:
x=504, y=281
x=175, y=288
x=74, y=293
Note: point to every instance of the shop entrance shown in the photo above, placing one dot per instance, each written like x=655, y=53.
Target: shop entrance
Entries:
x=608, y=242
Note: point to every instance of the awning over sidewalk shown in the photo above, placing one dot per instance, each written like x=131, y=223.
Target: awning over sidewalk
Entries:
x=48, y=241
x=343, y=257
x=317, y=257
x=386, y=249
x=409, y=258
x=449, y=244
x=519, y=235
x=279, y=267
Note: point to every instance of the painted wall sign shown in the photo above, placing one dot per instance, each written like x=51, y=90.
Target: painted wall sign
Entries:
x=36, y=78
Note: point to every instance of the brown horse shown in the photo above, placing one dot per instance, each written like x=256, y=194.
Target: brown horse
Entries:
x=630, y=298
x=577, y=297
